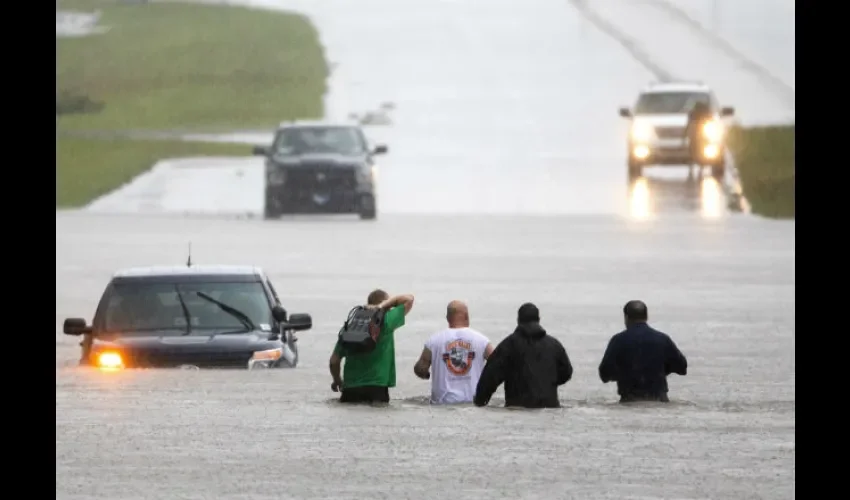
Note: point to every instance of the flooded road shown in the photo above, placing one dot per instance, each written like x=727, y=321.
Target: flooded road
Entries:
x=501, y=109
x=723, y=289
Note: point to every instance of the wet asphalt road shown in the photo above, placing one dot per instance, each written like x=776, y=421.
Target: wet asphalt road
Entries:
x=723, y=288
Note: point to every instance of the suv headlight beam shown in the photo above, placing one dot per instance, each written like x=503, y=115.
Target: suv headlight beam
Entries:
x=642, y=132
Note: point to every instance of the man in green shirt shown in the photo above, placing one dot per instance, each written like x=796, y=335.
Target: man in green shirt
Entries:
x=367, y=377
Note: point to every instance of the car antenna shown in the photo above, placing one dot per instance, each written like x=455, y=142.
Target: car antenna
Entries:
x=189, y=259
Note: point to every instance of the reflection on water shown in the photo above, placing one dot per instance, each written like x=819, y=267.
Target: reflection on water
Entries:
x=711, y=197
x=639, y=199
x=651, y=196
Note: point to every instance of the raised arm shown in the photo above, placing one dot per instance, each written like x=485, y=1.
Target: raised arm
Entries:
x=399, y=300
x=422, y=368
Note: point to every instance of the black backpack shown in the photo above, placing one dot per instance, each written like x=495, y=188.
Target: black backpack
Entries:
x=359, y=334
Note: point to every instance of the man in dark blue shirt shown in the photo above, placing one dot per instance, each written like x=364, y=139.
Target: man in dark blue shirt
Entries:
x=639, y=358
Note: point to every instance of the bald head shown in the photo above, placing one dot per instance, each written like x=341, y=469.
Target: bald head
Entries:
x=457, y=314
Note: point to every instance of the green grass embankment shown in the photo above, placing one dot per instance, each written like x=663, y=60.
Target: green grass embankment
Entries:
x=172, y=66
x=184, y=66
x=87, y=168
x=764, y=157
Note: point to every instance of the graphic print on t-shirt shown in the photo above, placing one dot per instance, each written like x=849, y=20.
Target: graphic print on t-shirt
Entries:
x=458, y=357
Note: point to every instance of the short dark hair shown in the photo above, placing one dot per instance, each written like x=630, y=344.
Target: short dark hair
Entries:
x=376, y=297
x=636, y=310
x=528, y=313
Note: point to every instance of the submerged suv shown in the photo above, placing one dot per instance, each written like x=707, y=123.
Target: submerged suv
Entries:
x=659, y=119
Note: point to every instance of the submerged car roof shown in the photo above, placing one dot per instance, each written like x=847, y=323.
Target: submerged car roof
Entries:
x=187, y=274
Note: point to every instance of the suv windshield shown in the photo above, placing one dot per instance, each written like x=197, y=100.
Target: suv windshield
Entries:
x=656, y=103
x=140, y=307
x=301, y=140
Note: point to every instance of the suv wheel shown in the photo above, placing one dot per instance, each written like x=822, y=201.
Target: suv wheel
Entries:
x=368, y=210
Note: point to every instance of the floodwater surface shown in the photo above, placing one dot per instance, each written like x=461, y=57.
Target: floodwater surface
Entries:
x=723, y=289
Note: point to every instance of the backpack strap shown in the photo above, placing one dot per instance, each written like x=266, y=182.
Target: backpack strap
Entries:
x=351, y=315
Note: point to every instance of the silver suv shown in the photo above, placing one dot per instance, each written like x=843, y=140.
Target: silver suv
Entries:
x=659, y=119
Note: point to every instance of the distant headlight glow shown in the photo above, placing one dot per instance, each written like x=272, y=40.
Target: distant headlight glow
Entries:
x=642, y=132
x=640, y=152
x=713, y=131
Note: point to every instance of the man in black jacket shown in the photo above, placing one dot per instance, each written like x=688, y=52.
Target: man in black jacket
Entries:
x=531, y=363
x=639, y=358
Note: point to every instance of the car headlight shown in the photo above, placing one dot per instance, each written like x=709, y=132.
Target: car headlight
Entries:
x=366, y=173
x=642, y=132
x=109, y=360
x=265, y=359
x=276, y=176
x=713, y=131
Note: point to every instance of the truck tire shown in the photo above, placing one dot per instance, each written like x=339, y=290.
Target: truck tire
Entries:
x=367, y=207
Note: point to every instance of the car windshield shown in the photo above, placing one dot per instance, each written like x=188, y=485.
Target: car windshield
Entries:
x=656, y=103
x=131, y=307
x=302, y=140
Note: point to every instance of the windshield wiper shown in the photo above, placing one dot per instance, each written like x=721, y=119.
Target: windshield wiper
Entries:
x=185, y=311
x=236, y=313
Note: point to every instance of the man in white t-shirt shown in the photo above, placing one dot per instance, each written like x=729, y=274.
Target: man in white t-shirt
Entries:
x=454, y=358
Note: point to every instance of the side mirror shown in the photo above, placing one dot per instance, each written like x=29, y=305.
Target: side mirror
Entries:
x=625, y=113
x=727, y=111
x=380, y=150
x=279, y=314
x=299, y=322
x=75, y=326
x=260, y=151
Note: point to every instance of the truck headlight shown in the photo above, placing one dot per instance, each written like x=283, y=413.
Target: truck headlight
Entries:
x=265, y=359
x=713, y=131
x=109, y=360
x=711, y=151
x=642, y=132
x=366, y=174
x=276, y=176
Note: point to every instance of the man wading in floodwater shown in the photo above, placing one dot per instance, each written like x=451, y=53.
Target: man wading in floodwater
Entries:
x=530, y=362
x=639, y=358
x=368, y=376
x=456, y=356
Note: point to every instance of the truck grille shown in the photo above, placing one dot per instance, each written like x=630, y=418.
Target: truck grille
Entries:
x=321, y=178
x=165, y=359
x=670, y=132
